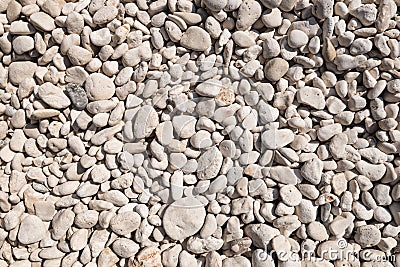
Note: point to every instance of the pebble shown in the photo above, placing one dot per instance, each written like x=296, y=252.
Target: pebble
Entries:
x=209, y=164
x=290, y=195
x=125, y=248
x=31, y=230
x=195, y=38
x=248, y=13
x=99, y=87
x=105, y=14
x=297, y=38
x=53, y=96
x=177, y=218
x=283, y=175
x=275, y=69
x=42, y=21
x=79, y=56
x=23, y=44
x=261, y=234
x=215, y=6
x=146, y=120
x=77, y=95
x=125, y=222
x=21, y=70
x=312, y=170
x=367, y=236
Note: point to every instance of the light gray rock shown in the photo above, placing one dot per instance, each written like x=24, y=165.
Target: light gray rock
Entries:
x=105, y=14
x=283, y=174
x=42, y=21
x=261, y=234
x=275, y=139
x=311, y=96
x=195, y=38
x=297, y=38
x=248, y=13
x=178, y=220
x=99, y=87
x=125, y=248
x=23, y=44
x=145, y=121
x=125, y=222
x=53, y=96
x=209, y=164
x=31, y=230
x=290, y=195
x=312, y=170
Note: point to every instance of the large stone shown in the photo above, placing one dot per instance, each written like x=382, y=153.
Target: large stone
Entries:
x=209, y=164
x=31, y=230
x=21, y=70
x=53, y=96
x=184, y=218
x=197, y=39
x=311, y=96
x=275, y=69
x=145, y=121
x=99, y=87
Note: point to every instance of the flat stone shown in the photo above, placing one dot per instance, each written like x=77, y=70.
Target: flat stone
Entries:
x=311, y=96
x=53, y=96
x=283, y=174
x=42, y=21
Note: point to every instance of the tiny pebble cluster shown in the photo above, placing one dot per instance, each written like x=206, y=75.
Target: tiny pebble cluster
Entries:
x=199, y=133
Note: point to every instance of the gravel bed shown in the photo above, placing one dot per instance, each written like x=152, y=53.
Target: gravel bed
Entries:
x=199, y=133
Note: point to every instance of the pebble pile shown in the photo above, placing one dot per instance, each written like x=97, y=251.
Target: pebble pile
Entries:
x=199, y=133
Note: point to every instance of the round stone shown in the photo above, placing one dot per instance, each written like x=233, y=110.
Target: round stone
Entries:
x=99, y=87
x=178, y=220
x=125, y=248
x=275, y=69
x=290, y=195
x=197, y=39
x=297, y=38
